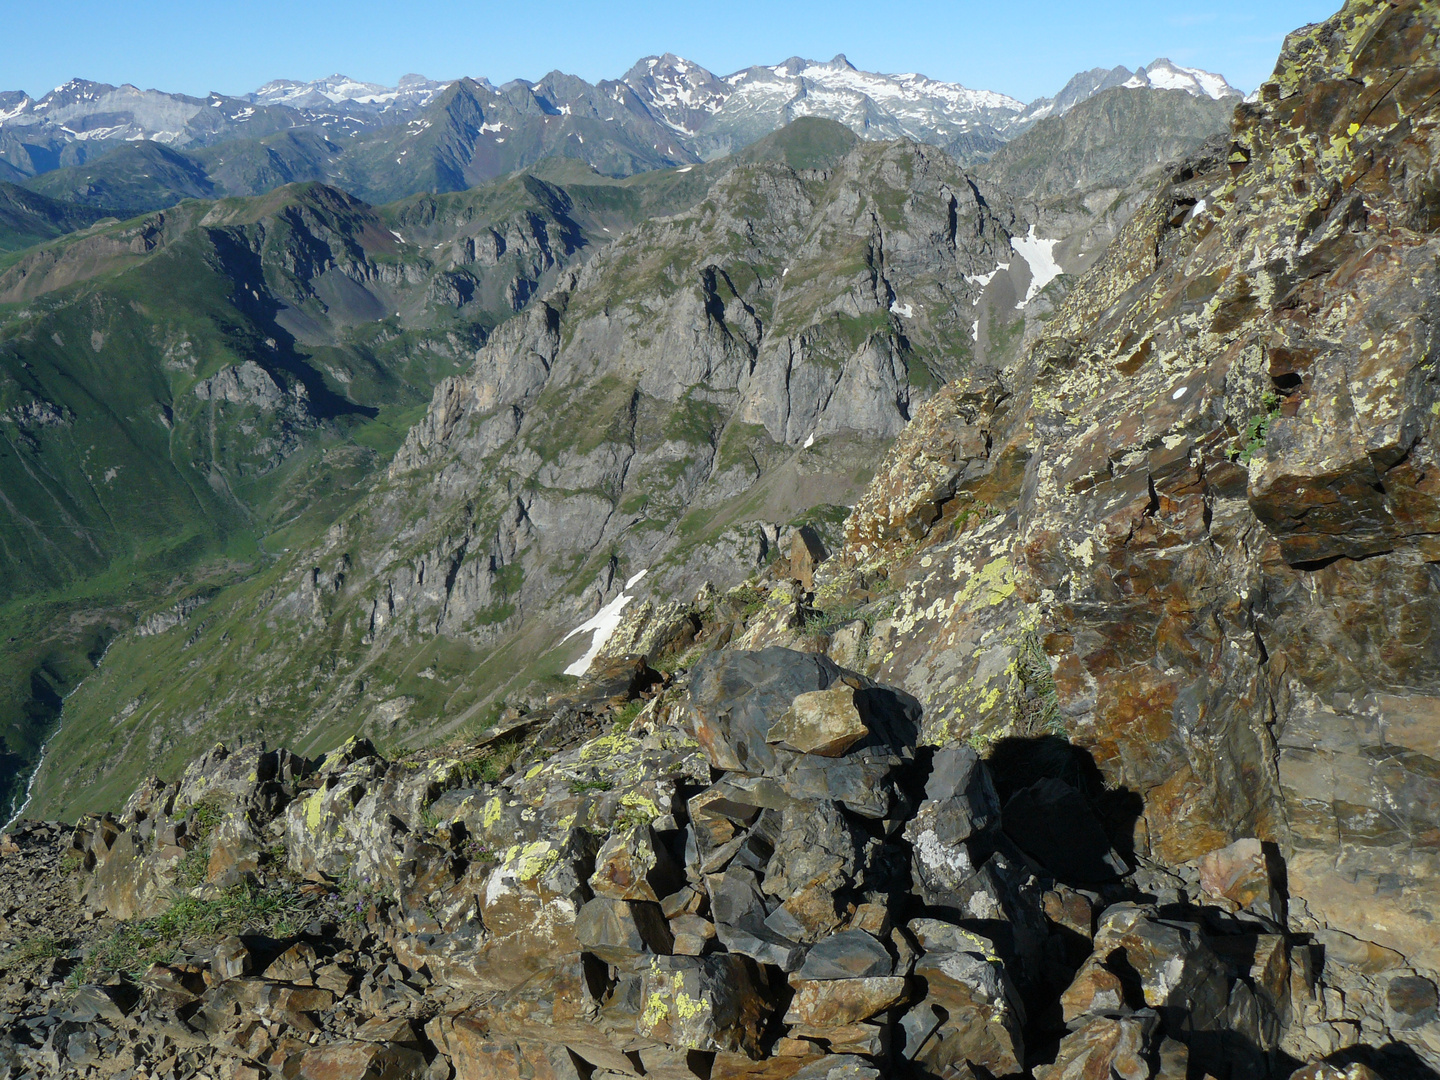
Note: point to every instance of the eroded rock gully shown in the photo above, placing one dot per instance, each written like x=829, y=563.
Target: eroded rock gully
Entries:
x=1104, y=745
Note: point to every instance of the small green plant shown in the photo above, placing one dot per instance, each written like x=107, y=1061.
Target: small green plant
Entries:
x=1256, y=428
x=475, y=849
x=495, y=760
x=978, y=509
x=981, y=744
x=679, y=661
x=204, y=819
x=1040, y=702
x=625, y=716
x=748, y=598
x=129, y=950
x=244, y=908
x=581, y=787
x=31, y=952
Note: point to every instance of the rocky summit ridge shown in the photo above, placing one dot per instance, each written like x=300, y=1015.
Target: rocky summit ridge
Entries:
x=1098, y=740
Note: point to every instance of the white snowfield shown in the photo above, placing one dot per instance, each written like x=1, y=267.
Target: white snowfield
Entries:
x=1040, y=256
x=603, y=624
x=415, y=91
x=1163, y=75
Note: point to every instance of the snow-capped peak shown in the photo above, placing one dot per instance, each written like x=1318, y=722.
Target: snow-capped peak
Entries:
x=678, y=92
x=412, y=91
x=1161, y=74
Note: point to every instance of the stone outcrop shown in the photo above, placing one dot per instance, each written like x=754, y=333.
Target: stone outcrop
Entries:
x=625, y=897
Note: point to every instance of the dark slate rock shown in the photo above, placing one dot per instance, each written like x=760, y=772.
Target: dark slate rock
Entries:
x=740, y=910
x=617, y=931
x=736, y=697
x=865, y=787
x=960, y=784
x=850, y=954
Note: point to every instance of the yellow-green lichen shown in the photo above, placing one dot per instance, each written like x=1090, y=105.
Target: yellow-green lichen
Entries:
x=534, y=859
x=608, y=746
x=491, y=816
x=313, y=809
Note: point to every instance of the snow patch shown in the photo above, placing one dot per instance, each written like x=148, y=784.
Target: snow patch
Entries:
x=603, y=623
x=1040, y=256
x=905, y=311
x=809, y=441
x=984, y=279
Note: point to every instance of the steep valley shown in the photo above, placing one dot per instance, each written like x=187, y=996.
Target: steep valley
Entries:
x=188, y=391
x=708, y=380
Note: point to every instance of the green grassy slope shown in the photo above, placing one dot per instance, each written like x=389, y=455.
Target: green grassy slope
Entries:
x=128, y=484
x=28, y=218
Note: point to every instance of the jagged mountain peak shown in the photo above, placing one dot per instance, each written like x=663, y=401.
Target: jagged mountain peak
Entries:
x=1160, y=74
x=682, y=94
x=666, y=109
x=339, y=88
x=1163, y=74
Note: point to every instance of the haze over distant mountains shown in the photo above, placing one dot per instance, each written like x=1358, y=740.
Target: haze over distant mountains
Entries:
x=664, y=111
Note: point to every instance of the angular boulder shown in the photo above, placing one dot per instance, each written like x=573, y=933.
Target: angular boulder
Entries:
x=969, y=1015
x=705, y=1003
x=736, y=697
x=850, y=954
x=839, y=1002
x=822, y=722
x=620, y=931
x=633, y=864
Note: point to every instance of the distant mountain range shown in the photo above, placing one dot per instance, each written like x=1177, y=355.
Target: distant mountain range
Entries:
x=665, y=111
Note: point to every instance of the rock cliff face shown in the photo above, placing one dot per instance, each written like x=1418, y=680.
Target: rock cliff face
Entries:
x=1206, y=499
x=173, y=385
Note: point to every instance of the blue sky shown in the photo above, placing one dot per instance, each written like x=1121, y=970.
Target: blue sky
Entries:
x=1025, y=49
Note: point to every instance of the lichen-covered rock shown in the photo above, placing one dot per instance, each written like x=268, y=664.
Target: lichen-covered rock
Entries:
x=705, y=1003
x=635, y=865
x=1182, y=542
